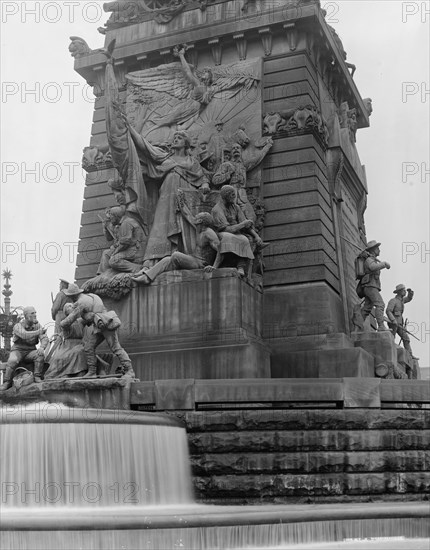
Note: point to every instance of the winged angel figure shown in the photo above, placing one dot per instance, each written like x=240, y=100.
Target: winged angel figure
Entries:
x=138, y=158
x=175, y=95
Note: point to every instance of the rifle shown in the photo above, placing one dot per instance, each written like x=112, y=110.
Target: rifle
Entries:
x=105, y=225
x=404, y=328
x=353, y=244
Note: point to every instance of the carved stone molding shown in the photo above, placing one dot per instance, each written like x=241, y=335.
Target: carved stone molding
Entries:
x=303, y=119
x=241, y=44
x=266, y=39
x=216, y=48
x=291, y=31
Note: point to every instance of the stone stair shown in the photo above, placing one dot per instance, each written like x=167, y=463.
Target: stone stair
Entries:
x=262, y=456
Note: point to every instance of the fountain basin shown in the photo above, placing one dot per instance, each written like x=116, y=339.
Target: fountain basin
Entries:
x=203, y=527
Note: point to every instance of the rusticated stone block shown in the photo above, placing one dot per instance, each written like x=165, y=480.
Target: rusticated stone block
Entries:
x=284, y=486
x=288, y=419
x=283, y=441
x=309, y=462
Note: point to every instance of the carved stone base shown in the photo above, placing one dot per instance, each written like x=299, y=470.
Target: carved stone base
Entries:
x=191, y=324
x=329, y=363
x=106, y=393
x=379, y=344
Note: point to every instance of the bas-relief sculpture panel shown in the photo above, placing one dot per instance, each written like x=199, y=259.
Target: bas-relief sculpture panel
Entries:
x=216, y=109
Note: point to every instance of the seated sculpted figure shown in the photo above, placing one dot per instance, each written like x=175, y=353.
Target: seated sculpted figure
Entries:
x=123, y=231
x=26, y=335
x=234, y=229
x=206, y=254
x=69, y=357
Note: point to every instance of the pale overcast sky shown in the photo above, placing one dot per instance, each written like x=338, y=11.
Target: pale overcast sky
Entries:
x=46, y=111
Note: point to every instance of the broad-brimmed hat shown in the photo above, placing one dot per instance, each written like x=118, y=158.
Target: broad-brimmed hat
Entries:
x=372, y=244
x=399, y=288
x=73, y=290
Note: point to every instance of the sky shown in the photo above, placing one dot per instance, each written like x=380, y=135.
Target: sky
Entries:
x=46, y=113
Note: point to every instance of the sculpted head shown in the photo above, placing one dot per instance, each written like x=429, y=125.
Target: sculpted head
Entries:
x=241, y=136
x=67, y=309
x=181, y=140
x=207, y=76
x=118, y=190
x=236, y=151
x=116, y=213
x=64, y=284
x=205, y=219
x=228, y=194
x=30, y=315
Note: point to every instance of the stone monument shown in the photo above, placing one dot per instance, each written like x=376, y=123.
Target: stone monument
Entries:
x=274, y=85
x=193, y=96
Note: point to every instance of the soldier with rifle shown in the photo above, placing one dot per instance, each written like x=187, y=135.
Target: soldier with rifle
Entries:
x=394, y=312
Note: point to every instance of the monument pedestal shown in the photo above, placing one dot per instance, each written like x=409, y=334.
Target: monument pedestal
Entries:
x=192, y=324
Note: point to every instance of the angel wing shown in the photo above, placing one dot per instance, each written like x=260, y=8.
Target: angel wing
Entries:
x=232, y=79
x=169, y=79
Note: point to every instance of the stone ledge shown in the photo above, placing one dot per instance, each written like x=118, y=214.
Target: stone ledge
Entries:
x=101, y=393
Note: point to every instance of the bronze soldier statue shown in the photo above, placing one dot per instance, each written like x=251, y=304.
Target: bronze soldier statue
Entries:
x=371, y=283
x=395, y=309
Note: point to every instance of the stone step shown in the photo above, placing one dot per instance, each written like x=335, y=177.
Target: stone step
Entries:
x=309, y=440
x=290, y=419
x=212, y=464
x=282, y=486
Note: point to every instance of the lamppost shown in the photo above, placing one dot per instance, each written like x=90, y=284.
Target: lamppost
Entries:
x=8, y=317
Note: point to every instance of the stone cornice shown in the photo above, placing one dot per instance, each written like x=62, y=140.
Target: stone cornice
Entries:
x=306, y=18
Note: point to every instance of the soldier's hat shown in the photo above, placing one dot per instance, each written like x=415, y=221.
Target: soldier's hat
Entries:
x=399, y=288
x=372, y=244
x=64, y=281
x=73, y=290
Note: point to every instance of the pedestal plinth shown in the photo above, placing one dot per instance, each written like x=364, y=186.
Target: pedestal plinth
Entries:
x=191, y=324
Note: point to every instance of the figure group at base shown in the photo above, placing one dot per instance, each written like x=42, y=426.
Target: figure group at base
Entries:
x=368, y=272
x=82, y=323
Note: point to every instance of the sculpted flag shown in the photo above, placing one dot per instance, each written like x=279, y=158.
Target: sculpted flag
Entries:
x=123, y=151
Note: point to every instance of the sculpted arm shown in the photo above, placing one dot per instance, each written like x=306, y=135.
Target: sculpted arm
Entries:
x=409, y=296
x=187, y=69
x=26, y=335
x=258, y=156
x=390, y=310
x=71, y=318
x=374, y=265
x=222, y=223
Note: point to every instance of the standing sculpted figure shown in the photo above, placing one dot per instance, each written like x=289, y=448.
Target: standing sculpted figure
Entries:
x=58, y=304
x=371, y=283
x=395, y=309
x=176, y=170
x=101, y=325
